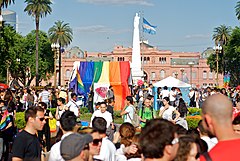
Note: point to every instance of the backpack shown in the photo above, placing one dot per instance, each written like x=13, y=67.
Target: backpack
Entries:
x=135, y=121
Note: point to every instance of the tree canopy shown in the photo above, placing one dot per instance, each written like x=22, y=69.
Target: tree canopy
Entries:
x=13, y=46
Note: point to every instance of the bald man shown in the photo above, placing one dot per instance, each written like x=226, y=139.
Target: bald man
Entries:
x=217, y=119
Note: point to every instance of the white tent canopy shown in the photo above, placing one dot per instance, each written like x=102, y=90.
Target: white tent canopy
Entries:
x=171, y=82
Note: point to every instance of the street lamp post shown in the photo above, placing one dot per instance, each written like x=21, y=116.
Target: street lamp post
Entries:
x=59, y=65
x=8, y=64
x=217, y=49
x=55, y=47
x=176, y=74
x=1, y=21
x=182, y=70
x=191, y=65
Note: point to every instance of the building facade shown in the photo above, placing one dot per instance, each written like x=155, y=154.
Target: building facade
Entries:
x=190, y=67
x=10, y=18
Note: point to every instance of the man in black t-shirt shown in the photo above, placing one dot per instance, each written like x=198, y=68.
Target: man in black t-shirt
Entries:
x=26, y=146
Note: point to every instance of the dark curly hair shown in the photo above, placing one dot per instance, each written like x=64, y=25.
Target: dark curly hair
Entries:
x=185, y=145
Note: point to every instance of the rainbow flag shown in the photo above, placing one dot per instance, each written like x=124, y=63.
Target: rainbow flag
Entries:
x=115, y=74
x=226, y=80
x=80, y=87
x=5, y=120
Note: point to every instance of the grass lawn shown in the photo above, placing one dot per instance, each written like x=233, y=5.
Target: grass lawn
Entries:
x=87, y=117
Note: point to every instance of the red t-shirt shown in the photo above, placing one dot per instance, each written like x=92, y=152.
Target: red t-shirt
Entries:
x=235, y=112
x=225, y=151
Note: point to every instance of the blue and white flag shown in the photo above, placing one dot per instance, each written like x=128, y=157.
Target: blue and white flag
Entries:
x=148, y=28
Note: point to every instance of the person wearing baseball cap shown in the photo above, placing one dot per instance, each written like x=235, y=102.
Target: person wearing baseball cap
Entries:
x=75, y=147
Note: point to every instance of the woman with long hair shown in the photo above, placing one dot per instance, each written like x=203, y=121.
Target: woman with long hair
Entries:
x=126, y=133
x=182, y=109
x=167, y=112
x=61, y=107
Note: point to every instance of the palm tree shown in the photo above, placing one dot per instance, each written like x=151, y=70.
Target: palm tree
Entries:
x=222, y=34
x=38, y=9
x=60, y=33
x=237, y=10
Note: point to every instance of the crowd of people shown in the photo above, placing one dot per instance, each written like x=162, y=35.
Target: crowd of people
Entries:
x=145, y=134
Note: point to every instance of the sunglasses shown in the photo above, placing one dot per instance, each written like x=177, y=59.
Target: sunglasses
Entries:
x=41, y=119
x=95, y=142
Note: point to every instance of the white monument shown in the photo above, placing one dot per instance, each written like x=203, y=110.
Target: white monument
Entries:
x=137, y=73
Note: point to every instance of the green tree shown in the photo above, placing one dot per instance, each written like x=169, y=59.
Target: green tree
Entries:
x=38, y=9
x=237, y=10
x=221, y=34
x=60, y=33
x=13, y=46
x=232, y=57
x=45, y=57
x=7, y=41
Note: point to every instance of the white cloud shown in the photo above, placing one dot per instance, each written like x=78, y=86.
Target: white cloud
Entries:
x=98, y=29
x=197, y=36
x=119, y=2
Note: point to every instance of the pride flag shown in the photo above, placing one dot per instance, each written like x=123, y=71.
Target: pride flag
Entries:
x=5, y=120
x=102, y=75
x=226, y=80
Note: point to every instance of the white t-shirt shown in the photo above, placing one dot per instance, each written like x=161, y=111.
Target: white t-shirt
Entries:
x=55, y=154
x=72, y=106
x=164, y=93
x=107, y=151
x=150, y=91
x=130, y=111
x=45, y=96
x=167, y=114
x=140, y=93
x=106, y=115
x=209, y=142
x=121, y=157
x=171, y=95
x=191, y=93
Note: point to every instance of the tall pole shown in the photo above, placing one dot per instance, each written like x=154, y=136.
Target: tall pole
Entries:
x=217, y=69
x=191, y=65
x=218, y=50
x=55, y=73
x=191, y=75
x=7, y=74
x=55, y=48
x=59, y=66
x=182, y=70
x=8, y=64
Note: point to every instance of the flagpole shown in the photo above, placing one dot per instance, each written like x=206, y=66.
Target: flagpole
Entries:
x=141, y=42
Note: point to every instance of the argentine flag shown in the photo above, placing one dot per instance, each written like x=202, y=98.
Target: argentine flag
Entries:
x=148, y=28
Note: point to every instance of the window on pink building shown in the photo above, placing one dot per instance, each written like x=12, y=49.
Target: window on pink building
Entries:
x=210, y=75
x=68, y=74
x=204, y=74
x=162, y=74
x=153, y=76
x=194, y=74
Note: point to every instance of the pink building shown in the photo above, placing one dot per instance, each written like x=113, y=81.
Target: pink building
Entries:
x=191, y=67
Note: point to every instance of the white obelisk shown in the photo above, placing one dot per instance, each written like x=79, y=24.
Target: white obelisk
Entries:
x=137, y=73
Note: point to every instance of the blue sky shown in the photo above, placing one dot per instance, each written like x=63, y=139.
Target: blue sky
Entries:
x=99, y=25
